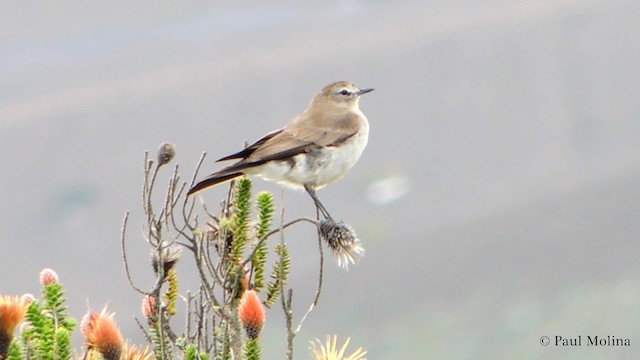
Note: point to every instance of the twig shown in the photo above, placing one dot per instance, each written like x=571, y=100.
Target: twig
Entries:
x=124, y=254
x=275, y=231
x=320, y=274
x=146, y=335
x=286, y=301
x=290, y=333
x=186, y=216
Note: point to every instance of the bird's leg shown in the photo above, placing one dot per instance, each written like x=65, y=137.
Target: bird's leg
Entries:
x=312, y=192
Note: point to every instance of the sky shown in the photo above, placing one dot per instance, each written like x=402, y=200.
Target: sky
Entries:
x=497, y=199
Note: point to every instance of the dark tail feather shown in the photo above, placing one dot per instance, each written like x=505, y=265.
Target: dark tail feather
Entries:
x=211, y=180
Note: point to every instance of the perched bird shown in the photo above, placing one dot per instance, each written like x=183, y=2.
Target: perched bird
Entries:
x=317, y=147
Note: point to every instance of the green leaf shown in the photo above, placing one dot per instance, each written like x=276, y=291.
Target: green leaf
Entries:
x=279, y=274
x=259, y=259
x=63, y=344
x=15, y=351
x=190, y=352
x=241, y=216
x=252, y=349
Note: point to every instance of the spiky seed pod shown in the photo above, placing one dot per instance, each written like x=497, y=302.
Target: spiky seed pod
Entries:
x=166, y=152
x=343, y=242
x=251, y=313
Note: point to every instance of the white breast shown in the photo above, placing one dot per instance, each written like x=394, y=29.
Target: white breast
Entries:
x=317, y=169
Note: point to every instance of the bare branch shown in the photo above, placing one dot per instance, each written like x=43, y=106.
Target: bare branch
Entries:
x=276, y=231
x=316, y=299
x=124, y=254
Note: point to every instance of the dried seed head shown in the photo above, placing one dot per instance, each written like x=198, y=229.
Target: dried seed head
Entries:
x=343, y=242
x=166, y=152
x=168, y=255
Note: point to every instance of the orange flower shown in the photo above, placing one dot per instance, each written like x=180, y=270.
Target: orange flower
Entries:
x=12, y=311
x=251, y=313
x=102, y=333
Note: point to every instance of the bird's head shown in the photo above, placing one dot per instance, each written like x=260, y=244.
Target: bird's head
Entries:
x=342, y=93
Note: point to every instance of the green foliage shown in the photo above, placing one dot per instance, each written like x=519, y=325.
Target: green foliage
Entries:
x=171, y=296
x=162, y=346
x=252, y=349
x=54, y=303
x=279, y=275
x=41, y=333
x=265, y=214
x=241, y=216
x=63, y=343
x=49, y=336
x=15, y=351
x=190, y=352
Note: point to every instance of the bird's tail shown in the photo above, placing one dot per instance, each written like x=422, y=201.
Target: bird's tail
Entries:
x=213, y=179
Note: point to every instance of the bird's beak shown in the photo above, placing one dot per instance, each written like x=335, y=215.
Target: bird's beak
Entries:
x=364, y=91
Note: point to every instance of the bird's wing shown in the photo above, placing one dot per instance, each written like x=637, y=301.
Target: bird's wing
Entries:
x=296, y=139
x=250, y=149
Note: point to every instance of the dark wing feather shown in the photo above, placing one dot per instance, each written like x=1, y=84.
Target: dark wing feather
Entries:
x=250, y=149
x=211, y=180
x=293, y=141
x=283, y=146
x=297, y=138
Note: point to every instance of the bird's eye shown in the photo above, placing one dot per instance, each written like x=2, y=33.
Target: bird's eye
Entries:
x=344, y=92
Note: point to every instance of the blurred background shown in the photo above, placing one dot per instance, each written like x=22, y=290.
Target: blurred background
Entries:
x=498, y=198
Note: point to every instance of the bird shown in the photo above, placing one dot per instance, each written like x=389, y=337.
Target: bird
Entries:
x=317, y=147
